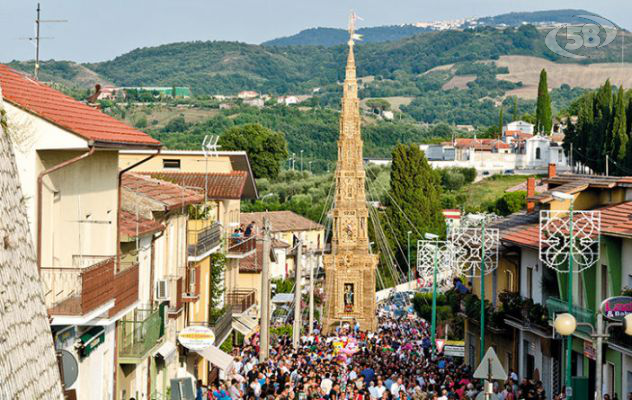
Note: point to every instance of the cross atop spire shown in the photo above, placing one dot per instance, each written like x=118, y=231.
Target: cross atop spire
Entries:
x=353, y=17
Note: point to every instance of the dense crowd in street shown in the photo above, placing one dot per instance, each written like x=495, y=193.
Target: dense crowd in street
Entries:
x=396, y=362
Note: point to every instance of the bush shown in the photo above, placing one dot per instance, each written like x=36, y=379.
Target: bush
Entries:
x=509, y=203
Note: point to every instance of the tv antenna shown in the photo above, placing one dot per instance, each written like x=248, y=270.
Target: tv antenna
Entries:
x=36, y=39
x=209, y=146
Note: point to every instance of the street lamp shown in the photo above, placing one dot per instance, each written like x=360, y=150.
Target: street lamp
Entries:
x=565, y=324
x=476, y=248
x=560, y=234
x=433, y=329
x=301, y=160
x=408, y=249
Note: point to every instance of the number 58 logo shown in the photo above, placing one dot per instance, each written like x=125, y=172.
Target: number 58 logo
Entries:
x=579, y=36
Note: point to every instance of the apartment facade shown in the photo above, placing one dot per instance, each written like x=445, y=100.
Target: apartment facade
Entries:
x=67, y=161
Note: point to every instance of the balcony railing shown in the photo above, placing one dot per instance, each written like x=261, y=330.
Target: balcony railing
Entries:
x=241, y=247
x=138, y=336
x=203, y=240
x=77, y=291
x=221, y=325
x=240, y=300
x=125, y=286
x=557, y=306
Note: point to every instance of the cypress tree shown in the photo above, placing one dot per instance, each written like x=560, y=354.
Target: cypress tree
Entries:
x=500, y=122
x=515, y=109
x=628, y=155
x=543, y=115
x=416, y=188
x=619, y=137
x=599, y=143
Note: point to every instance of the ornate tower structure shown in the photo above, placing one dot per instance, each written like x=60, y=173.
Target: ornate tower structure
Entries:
x=350, y=268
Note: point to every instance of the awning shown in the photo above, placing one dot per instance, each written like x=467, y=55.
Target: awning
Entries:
x=166, y=350
x=217, y=357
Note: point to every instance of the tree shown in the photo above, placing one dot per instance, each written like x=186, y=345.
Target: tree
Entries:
x=619, y=141
x=500, y=122
x=543, y=116
x=266, y=148
x=414, y=203
x=598, y=144
x=515, y=109
x=378, y=106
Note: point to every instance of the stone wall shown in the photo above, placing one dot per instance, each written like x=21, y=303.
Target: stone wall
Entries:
x=28, y=366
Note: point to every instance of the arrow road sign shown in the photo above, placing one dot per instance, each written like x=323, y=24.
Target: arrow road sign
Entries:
x=490, y=367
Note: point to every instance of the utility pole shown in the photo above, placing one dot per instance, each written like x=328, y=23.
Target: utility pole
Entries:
x=264, y=343
x=607, y=165
x=38, y=37
x=296, y=328
x=311, y=292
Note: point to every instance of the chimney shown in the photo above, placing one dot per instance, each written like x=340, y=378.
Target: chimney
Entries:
x=552, y=170
x=530, y=193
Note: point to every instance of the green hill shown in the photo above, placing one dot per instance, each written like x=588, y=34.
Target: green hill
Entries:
x=228, y=67
x=536, y=17
x=335, y=36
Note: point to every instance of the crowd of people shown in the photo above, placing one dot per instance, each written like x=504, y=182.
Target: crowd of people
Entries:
x=395, y=362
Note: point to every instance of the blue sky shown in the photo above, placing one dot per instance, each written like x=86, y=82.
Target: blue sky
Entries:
x=101, y=30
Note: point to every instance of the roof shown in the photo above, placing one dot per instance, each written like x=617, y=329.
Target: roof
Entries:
x=281, y=221
x=253, y=263
x=477, y=144
x=279, y=244
x=67, y=113
x=616, y=220
x=239, y=161
x=574, y=183
x=133, y=225
x=168, y=194
x=228, y=185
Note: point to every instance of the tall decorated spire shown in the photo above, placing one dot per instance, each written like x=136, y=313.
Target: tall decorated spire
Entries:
x=350, y=268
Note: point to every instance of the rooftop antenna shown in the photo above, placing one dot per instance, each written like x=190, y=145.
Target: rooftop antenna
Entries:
x=209, y=145
x=36, y=39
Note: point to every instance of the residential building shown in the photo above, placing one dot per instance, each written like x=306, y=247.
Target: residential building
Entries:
x=525, y=312
x=167, y=204
x=67, y=163
x=247, y=94
x=28, y=365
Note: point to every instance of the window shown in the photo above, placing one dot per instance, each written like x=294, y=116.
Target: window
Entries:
x=171, y=163
x=537, y=153
x=604, y=282
x=530, y=282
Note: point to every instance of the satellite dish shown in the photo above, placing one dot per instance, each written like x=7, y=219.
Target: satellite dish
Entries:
x=70, y=368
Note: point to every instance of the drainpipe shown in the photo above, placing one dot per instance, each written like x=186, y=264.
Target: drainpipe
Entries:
x=118, y=210
x=40, y=182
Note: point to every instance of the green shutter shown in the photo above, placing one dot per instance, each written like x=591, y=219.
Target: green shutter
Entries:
x=613, y=251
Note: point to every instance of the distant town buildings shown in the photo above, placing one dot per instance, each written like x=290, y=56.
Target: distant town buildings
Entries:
x=111, y=92
x=518, y=149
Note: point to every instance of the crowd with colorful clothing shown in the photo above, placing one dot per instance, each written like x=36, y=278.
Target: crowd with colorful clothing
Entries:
x=395, y=362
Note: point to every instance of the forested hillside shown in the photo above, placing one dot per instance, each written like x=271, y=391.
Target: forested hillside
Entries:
x=336, y=36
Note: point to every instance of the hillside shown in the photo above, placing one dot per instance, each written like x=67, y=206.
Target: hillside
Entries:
x=536, y=18
x=228, y=67
x=335, y=36
x=67, y=73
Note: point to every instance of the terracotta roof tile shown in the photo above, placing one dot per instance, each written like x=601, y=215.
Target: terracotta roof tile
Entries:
x=281, y=221
x=170, y=194
x=133, y=226
x=66, y=112
x=220, y=185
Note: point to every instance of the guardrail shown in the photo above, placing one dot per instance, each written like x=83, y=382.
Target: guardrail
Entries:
x=239, y=300
x=241, y=247
x=138, y=336
x=204, y=239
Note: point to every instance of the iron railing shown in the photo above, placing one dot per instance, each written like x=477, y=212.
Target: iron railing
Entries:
x=241, y=247
x=204, y=239
x=138, y=336
x=556, y=306
x=240, y=300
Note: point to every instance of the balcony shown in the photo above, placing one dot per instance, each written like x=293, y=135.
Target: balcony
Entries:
x=125, y=285
x=557, y=306
x=240, y=300
x=203, y=240
x=138, y=336
x=76, y=291
x=221, y=325
x=241, y=247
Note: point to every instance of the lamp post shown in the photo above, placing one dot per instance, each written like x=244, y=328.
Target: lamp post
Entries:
x=408, y=258
x=565, y=324
x=433, y=329
x=476, y=253
x=560, y=233
x=301, y=160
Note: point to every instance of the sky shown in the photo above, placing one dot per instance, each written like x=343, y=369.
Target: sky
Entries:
x=101, y=30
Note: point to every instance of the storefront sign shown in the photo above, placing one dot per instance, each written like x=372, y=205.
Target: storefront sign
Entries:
x=196, y=337
x=454, y=348
x=616, y=308
x=589, y=351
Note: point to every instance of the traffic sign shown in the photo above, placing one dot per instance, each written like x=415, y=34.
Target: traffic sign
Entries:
x=439, y=344
x=490, y=367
